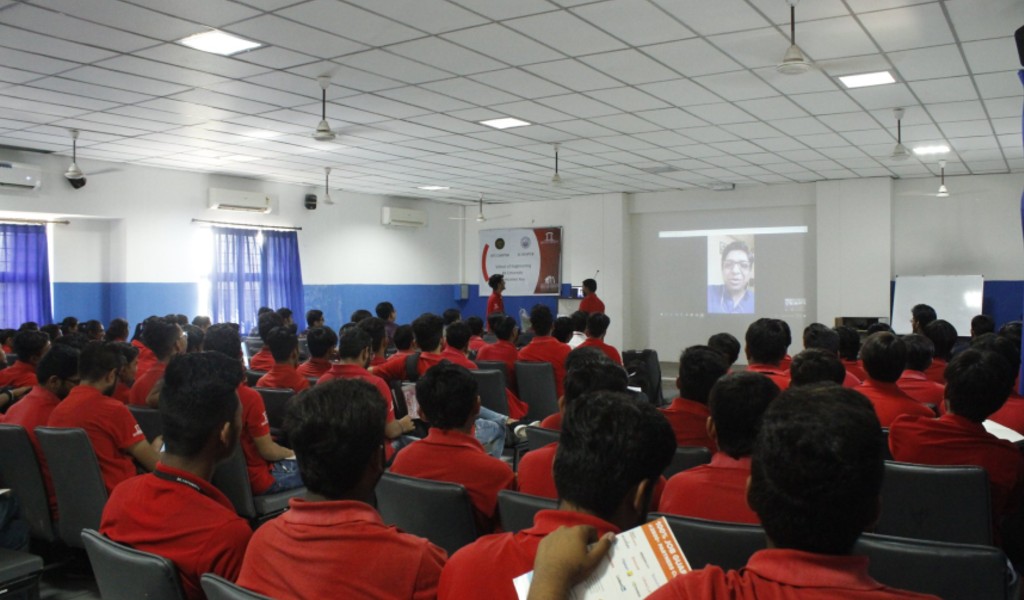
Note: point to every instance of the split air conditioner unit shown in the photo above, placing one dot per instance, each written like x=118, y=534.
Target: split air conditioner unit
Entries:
x=255, y=202
x=20, y=176
x=402, y=217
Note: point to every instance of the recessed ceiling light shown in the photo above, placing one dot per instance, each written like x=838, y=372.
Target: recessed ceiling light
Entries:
x=925, y=150
x=867, y=79
x=433, y=188
x=504, y=123
x=218, y=42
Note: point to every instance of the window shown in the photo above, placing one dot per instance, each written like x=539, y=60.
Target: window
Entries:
x=24, y=275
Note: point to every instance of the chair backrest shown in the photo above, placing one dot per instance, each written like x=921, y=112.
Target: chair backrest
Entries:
x=492, y=389
x=517, y=509
x=232, y=478
x=536, y=382
x=886, y=452
x=218, y=588
x=77, y=481
x=438, y=511
x=727, y=545
x=19, y=469
x=500, y=365
x=952, y=571
x=251, y=377
x=276, y=403
x=252, y=345
x=538, y=437
x=943, y=504
x=652, y=366
x=124, y=573
x=687, y=457
x=149, y=420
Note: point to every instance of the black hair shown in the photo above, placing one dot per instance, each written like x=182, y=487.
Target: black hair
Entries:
x=68, y=324
x=266, y=322
x=943, y=335
x=457, y=335
x=224, y=338
x=128, y=352
x=451, y=315
x=503, y=327
x=492, y=319
x=562, y=329
x=737, y=403
x=93, y=329
x=585, y=355
x=427, y=330
x=579, y=320
x=29, y=326
x=30, y=344
x=817, y=469
x=923, y=314
x=179, y=318
x=161, y=336
x=876, y=327
x=476, y=325
x=282, y=342
x=821, y=336
x=727, y=345
x=590, y=284
x=978, y=382
x=767, y=340
x=314, y=315
x=920, y=351
x=263, y=310
x=495, y=280
x=541, y=319
x=198, y=397
x=352, y=342
x=447, y=393
x=335, y=428
x=74, y=340
x=884, y=356
x=610, y=442
x=699, y=368
x=202, y=321
x=593, y=376
x=1012, y=330
x=849, y=342
x=377, y=330
x=60, y=362
x=97, y=359
x=52, y=330
x=384, y=310
x=403, y=337
x=320, y=341
x=982, y=324
x=194, y=339
x=285, y=312
x=1002, y=346
x=815, y=365
x=117, y=330
x=597, y=324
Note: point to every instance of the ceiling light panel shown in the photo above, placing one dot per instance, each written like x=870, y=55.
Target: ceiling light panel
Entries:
x=867, y=79
x=218, y=42
x=504, y=123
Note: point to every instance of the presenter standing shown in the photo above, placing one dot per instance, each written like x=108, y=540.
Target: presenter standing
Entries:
x=591, y=303
x=496, y=304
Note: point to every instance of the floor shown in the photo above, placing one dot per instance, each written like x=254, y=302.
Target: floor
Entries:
x=67, y=581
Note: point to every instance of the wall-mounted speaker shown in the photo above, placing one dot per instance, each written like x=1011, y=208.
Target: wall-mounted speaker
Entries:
x=310, y=201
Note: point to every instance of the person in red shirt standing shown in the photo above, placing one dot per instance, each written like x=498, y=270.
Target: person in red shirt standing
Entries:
x=914, y=382
x=613, y=451
x=175, y=512
x=264, y=360
x=591, y=303
x=543, y=347
x=449, y=401
x=495, y=303
x=699, y=368
x=333, y=543
x=505, y=329
x=30, y=346
x=166, y=339
x=885, y=356
x=718, y=491
x=944, y=336
x=321, y=342
x=597, y=327
x=284, y=347
x=115, y=435
x=766, y=343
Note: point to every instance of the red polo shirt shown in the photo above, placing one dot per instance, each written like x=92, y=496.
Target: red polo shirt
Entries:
x=495, y=304
x=476, y=343
x=146, y=358
x=937, y=370
x=377, y=359
x=608, y=350
x=851, y=380
x=716, y=491
x=854, y=367
x=339, y=549
x=144, y=384
x=110, y=426
x=1010, y=415
x=784, y=574
x=394, y=370
x=591, y=304
x=30, y=412
x=955, y=440
x=544, y=348
x=917, y=385
x=458, y=357
x=552, y=422
x=262, y=360
x=456, y=457
x=689, y=421
x=184, y=519
x=344, y=371
x=778, y=374
x=504, y=351
x=314, y=367
x=20, y=374
x=122, y=392
x=283, y=377
x=254, y=424
x=890, y=402
x=487, y=567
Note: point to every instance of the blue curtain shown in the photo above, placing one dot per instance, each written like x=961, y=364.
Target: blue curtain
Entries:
x=253, y=269
x=24, y=276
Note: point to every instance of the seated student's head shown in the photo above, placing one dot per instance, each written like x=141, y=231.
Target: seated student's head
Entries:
x=266, y=322
x=727, y=345
x=584, y=355
x=767, y=341
x=943, y=335
x=286, y=315
x=164, y=338
x=817, y=469
x=52, y=330
x=30, y=346
x=699, y=368
x=597, y=325
x=284, y=345
x=1002, y=346
x=1012, y=330
x=920, y=316
x=202, y=321
x=496, y=281
x=68, y=325
x=427, y=330
x=314, y=318
x=579, y=321
x=93, y=329
x=117, y=331
x=337, y=432
x=29, y=326
x=978, y=382
x=562, y=329
x=541, y=319
x=99, y=364
x=199, y=405
x=982, y=324
x=403, y=337
x=359, y=315
x=878, y=327
x=451, y=315
x=504, y=327
x=7, y=336
x=820, y=336
x=378, y=333
x=737, y=402
x=476, y=326
x=815, y=365
x=320, y=341
x=592, y=376
x=130, y=366
x=448, y=396
x=57, y=371
x=849, y=342
x=493, y=318
x=194, y=337
x=385, y=311
x=224, y=338
x=884, y=356
x=920, y=351
x=457, y=336
x=355, y=346
x=74, y=339
x=612, y=450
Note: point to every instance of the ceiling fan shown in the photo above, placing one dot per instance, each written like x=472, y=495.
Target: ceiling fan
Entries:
x=323, y=131
x=556, y=179
x=943, y=191
x=480, y=218
x=74, y=175
x=899, y=152
x=794, y=62
x=327, y=186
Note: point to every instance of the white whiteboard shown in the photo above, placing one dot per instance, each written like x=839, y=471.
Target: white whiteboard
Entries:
x=955, y=298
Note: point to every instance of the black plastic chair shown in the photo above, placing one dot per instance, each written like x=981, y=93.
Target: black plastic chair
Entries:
x=19, y=575
x=491, y=385
x=149, y=420
x=538, y=437
x=218, y=588
x=436, y=510
x=124, y=573
x=251, y=377
x=727, y=545
x=232, y=478
x=886, y=452
x=499, y=365
x=517, y=510
x=951, y=571
x=687, y=457
x=536, y=382
x=276, y=402
x=77, y=481
x=943, y=504
x=19, y=470
x=650, y=358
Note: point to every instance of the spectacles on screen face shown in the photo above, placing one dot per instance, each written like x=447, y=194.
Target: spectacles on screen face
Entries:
x=729, y=265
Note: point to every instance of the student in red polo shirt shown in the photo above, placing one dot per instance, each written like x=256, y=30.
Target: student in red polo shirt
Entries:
x=176, y=512
x=944, y=336
x=386, y=312
x=505, y=329
x=767, y=340
x=613, y=450
x=699, y=368
x=30, y=347
x=913, y=381
x=821, y=337
x=591, y=303
x=849, y=349
x=321, y=342
x=332, y=543
x=146, y=357
x=597, y=327
x=314, y=318
x=58, y=373
x=284, y=347
x=815, y=365
x=476, y=340
x=116, y=437
x=448, y=399
x=378, y=339
x=403, y=341
x=1012, y=412
x=264, y=360
x=718, y=491
x=126, y=377
x=495, y=303
x=921, y=315
x=458, y=335
x=727, y=345
x=576, y=359
x=543, y=347
x=884, y=356
x=166, y=339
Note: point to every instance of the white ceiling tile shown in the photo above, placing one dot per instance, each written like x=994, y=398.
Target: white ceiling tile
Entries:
x=188, y=58
x=341, y=74
x=187, y=108
x=833, y=38
x=504, y=44
x=551, y=29
x=446, y=55
x=738, y=147
x=671, y=118
x=573, y=75
x=680, y=92
x=800, y=126
x=853, y=121
x=628, y=99
x=124, y=16
x=399, y=68
x=448, y=123
x=503, y=9
x=692, y=57
x=1003, y=107
x=883, y=96
x=351, y=22
x=720, y=113
x=578, y=106
x=425, y=98
x=929, y=63
x=963, y=129
x=976, y=23
x=223, y=101
x=823, y=103
x=957, y=111
x=532, y=112
x=157, y=116
x=769, y=109
x=76, y=88
x=432, y=16
x=997, y=85
x=1006, y=125
x=34, y=62
x=28, y=41
x=950, y=89
x=212, y=13
x=753, y=49
x=990, y=56
x=870, y=136
x=752, y=130
x=812, y=81
x=470, y=91
x=274, y=57
x=520, y=82
x=636, y=22
x=624, y=123
x=124, y=81
x=300, y=36
x=265, y=95
x=738, y=85
x=664, y=138
x=15, y=76
x=706, y=135
x=72, y=29
x=921, y=133
x=152, y=69
x=910, y=27
x=630, y=66
x=806, y=12
x=822, y=140
x=296, y=84
x=708, y=18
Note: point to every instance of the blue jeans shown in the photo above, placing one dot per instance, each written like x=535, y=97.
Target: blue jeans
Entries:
x=286, y=476
x=491, y=434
